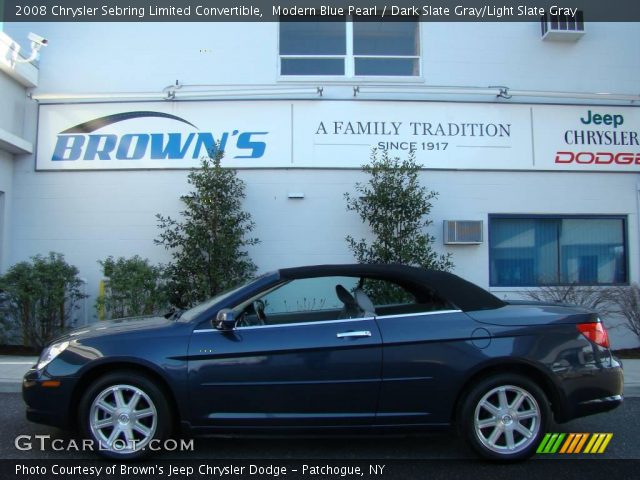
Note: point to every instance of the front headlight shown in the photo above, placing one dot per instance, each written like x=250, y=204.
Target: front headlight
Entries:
x=51, y=352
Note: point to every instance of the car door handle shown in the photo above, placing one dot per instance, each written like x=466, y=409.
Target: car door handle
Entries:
x=359, y=334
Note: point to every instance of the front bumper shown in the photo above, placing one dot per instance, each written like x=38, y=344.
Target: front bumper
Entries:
x=48, y=404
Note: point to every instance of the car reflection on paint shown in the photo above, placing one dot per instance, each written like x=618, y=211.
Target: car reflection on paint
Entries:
x=332, y=349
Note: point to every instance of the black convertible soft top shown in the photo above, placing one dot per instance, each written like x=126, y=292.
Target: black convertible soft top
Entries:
x=461, y=293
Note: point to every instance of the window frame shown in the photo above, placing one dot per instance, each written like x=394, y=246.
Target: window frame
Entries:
x=342, y=320
x=240, y=306
x=349, y=67
x=625, y=242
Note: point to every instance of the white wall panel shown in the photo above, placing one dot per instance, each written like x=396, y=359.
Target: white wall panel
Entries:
x=88, y=215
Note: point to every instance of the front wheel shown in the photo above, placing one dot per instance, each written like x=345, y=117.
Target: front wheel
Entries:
x=504, y=417
x=123, y=413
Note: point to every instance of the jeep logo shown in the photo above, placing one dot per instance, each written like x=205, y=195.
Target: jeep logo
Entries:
x=607, y=119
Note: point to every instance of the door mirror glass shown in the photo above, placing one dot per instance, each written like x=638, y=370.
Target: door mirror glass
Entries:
x=225, y=320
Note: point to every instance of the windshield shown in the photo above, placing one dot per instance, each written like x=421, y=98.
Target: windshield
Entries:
x=192, y=313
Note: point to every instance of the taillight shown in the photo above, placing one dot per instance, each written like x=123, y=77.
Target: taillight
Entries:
x=595, y=332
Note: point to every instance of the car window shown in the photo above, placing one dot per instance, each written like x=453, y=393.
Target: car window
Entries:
x=307, y=294
x=318, y=299
x=389, y=298
x=302, y=300
x=193, y=312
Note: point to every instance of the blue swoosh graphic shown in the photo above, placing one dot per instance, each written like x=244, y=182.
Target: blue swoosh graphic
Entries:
x=95, y=124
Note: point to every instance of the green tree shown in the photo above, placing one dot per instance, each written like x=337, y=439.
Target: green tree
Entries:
x=208, y=244
x=42, y=295
x=396, y=207
x=134, y=287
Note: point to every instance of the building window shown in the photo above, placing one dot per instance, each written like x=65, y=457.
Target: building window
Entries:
x=350, y=48
x=534, y=251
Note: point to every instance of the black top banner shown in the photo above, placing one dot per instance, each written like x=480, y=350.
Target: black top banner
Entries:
x=315, y=10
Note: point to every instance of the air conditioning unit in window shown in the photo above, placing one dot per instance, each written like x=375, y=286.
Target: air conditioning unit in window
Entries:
x=462, y=232
x=562, y=27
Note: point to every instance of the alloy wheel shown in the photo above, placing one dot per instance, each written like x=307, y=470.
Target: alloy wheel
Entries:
x=507, y=419
x=123, y=419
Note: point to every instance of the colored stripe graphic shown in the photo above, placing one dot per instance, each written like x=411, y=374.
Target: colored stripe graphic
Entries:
x=581, y=442
x=594, y=437
x=556, y=445
x=574, y=443
x=598, y=443
x=550, y=443
x=568, y=443
x=606, y=442
x=543, y=443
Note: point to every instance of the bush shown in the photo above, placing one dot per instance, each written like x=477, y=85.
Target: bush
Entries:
x=208, y=244
x=396, y=207
x=10, y=331
x=134, y=288
x=627, y=304
x=40, y=297
x=599, y=299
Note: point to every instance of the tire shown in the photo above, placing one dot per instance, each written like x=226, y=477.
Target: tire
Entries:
x=122, y=412
x=504, y=417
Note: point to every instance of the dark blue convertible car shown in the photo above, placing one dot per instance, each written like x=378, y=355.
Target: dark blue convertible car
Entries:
x=332, y=349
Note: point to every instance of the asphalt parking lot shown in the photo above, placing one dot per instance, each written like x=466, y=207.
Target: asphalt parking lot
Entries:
x=623, y=422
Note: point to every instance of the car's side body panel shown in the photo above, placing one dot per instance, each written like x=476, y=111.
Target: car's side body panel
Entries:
x=424, y=358
x=320, y=373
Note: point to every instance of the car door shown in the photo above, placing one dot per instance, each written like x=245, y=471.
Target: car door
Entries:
x=305, y=366
x=427, y=348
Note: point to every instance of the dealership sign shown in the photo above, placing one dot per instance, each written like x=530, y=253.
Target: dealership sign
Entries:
x=81, y=142
x=329, y=134
x=152, y=135
x=587, y=138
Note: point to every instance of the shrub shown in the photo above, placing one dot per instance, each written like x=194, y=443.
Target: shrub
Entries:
x=627, y=303
x=41, y=296
x=396, y=207
x=10, y=331
x=208, y=244
x=599, y=299
x=134, y=287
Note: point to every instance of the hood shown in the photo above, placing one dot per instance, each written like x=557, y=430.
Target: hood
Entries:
x=121, y=325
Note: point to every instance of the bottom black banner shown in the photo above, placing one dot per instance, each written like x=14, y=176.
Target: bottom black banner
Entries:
x=315, y=469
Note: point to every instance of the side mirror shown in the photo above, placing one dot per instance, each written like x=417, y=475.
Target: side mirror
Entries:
x=225, y=319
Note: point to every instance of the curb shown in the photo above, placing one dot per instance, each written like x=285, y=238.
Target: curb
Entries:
x=631, y=391
x=10, y=387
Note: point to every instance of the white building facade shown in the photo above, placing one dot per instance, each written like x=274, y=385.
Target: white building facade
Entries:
x=16, y=78
x=513, y=131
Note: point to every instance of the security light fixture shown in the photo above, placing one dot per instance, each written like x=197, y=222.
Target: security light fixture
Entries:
x=37, y=42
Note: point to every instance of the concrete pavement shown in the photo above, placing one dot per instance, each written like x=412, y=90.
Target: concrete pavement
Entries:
x=631, y=377
x=12, y=369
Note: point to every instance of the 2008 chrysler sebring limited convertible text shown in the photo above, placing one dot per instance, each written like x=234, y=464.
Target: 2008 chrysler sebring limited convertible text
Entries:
x=330, y=349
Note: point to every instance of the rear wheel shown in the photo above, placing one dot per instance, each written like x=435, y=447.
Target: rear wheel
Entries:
x=504, y=417
x=122, y=413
